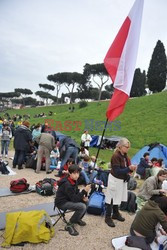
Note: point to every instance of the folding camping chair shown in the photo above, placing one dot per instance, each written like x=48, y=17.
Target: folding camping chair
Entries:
x=61, y=214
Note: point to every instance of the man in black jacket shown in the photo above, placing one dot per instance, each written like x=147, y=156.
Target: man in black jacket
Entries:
x=68, y=197
x=22, y=139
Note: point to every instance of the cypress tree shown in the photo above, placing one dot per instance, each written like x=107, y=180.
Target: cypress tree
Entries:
x=156, y=75
x=138, y=85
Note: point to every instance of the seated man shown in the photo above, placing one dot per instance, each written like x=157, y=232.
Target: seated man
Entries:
x=151, y=186
x=146, y=220
x=69, y=197
x=143, y=169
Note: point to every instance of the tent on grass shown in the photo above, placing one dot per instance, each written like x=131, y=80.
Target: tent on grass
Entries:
x=107, y=143
x=156, y=150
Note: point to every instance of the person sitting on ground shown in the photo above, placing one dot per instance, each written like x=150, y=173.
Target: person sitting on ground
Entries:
x=54, y=157
x=87, y=172
x=83, y=152
x=65, y=172
x=143, y=169
x=151, y=186
x=154, y=161
x=146, y=220
x=159, y=163
x=68, y=197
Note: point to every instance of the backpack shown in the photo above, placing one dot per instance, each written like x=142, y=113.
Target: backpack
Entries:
x=132, y=183
x=46, y=187
x=130, y=205
x=18, y=186
x=3, y=168
x=96, y=203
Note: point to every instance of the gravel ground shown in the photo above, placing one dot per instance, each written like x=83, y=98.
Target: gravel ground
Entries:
x=95, y=235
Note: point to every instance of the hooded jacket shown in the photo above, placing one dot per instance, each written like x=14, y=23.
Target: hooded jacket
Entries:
x=150, y=187
x=68, y=191
x=147, y=219
x=22, y=137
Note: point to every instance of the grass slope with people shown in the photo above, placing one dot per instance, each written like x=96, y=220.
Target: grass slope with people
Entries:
x=142, y=122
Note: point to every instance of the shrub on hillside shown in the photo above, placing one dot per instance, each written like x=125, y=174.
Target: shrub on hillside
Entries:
x=83, y=104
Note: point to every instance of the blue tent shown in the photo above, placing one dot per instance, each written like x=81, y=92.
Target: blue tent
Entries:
x=158, y=151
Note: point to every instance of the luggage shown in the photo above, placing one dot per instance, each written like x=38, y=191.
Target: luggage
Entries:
x=130, y=205
x=18, y=186
x=46, y=187
x=96, y=204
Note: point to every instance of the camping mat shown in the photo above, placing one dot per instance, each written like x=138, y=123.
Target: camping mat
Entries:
x=119, y=243
x=7, y=192
x=48, y=207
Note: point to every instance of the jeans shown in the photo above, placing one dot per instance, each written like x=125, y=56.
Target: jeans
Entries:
x=54, y=161
x=72, y=152
x=88, y=177
x=19, y=157
x=149, y=239
x=4, y=147
x=78, y=207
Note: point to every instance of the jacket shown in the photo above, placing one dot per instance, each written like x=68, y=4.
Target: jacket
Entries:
x=142, y=166
x=22, y=137
x=119, y=166
x=68, y=191
x=147, y=219
x=150, y=187
x=47, y=140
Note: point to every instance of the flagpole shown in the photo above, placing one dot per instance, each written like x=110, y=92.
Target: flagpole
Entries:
x=97, y=154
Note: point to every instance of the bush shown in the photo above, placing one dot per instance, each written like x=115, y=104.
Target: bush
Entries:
x=83, y=104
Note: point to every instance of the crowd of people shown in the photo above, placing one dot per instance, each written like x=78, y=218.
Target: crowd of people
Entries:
x=77, y=166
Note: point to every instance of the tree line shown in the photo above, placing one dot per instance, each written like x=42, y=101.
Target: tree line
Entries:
x=81, y=85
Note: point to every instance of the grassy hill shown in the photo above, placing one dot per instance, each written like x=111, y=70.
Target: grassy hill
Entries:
x=144, y=120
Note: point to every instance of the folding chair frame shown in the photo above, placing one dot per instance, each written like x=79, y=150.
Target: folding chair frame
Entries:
x=61, y=214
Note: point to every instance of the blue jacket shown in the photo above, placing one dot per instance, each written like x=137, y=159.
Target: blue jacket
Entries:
x=142, y=166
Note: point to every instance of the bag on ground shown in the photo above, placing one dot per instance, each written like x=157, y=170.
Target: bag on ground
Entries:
x=32, y=226
x=3, y=167
x=132, y=183
x=130, y=205
x=18, y=186
x=46, y=187
x=96, y=203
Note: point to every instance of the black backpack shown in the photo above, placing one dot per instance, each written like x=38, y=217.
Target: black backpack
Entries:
x=3, y=168
x=132, y=183
x=46, y=187
x=130, y=205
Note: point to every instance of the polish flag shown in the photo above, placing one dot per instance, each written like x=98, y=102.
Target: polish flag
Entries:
x=121, y=59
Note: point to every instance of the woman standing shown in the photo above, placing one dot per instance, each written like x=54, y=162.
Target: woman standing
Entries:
x=85, y=140
x=5, y=139
x=117, y=181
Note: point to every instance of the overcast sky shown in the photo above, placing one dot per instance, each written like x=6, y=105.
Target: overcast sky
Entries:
x=42, y=37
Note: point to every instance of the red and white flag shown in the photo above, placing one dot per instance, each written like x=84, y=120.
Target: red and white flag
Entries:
x=121, y=58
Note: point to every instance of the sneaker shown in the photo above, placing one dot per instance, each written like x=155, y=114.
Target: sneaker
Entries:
x=49, y=172
x=118, y=217
x=81, y=223
x=109, y=222
x=71, y=229
x=20, y=167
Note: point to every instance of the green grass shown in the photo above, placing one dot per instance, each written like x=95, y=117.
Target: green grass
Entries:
x=143, y=121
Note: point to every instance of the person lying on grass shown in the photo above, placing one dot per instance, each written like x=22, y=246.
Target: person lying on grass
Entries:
x=69, y=197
